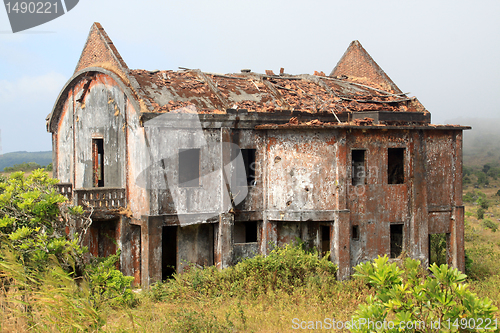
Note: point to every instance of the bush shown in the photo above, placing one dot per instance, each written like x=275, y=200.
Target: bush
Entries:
x=40, y=264
x=107, y=284
x=409, y=295
x=483, y=203
x=482, y=179
x=487, y=223
x=480, y=213
x=473, y=196
x=30, y=166
x=285, y=268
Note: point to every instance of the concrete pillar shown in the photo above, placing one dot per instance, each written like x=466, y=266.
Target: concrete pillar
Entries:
x=269, y=236
x=418, y=240
x=151, y=243
x=341, y=244
x=456, y=250
x=225, y=243
x=130, y=245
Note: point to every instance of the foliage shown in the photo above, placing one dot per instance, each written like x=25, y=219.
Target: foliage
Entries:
x=107, y=284
x=484, y=260
x=482, y=178
x=487, y=223
x=40, y=265
x=498, y=193
x=409, y=295
x=483, y=203
x=33, y=218
x=29, y=166
x=480, y=213
x=438, y=248
x=285, y=269
x=473, y=196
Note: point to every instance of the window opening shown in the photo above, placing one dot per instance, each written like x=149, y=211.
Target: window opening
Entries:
x=396, y=240
x=98, y=162
x=358, y=167
x=396, y=165
x=355, y=232
x=189, y=167
x=325, y=239
x=437, y=249
x=245, y=232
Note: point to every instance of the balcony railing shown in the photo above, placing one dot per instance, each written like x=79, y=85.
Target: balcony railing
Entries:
x=101, y=198
x=65, y=189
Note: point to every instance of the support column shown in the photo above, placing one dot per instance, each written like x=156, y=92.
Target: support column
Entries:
x=456, y=250
x=151, y=241
x=418, y=239
x=341, y=244
x=225, y=241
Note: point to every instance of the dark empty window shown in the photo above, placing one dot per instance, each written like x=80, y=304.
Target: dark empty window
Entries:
x=189, y=167
x=396, y=165
x=245, y=232
x=396, y=240
x=244, y=176
x=249, y=161
x=355, y=232
x=358, y=167
x=98, y=162
x=325, y=239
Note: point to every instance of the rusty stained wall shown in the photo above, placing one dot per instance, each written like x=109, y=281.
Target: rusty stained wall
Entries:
x=377, y=204
x=105, y=112
x=301, y=177
x=195, y=244
x=63, y=164
x=100, y=115
x=167, y=197
x=250, y=139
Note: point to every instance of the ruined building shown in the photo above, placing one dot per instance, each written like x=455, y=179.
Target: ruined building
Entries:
x=188, y=166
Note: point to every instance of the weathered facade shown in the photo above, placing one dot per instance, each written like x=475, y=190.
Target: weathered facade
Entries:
x=186, y=166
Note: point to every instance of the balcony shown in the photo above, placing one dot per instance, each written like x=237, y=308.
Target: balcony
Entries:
x=103, y=198
x=65, y=189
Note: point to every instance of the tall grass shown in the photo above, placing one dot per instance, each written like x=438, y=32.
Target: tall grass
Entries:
x=47, y=300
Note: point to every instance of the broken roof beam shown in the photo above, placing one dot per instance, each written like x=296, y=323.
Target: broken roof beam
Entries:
x=213, y=88
x=276, y=94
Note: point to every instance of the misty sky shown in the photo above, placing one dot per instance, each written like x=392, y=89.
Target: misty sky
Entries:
x=446, y=53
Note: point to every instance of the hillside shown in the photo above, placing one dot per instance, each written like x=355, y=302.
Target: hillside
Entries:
x=482, y=143
x=10, y=159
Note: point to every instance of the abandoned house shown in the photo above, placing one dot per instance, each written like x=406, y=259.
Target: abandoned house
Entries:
x=186, y=166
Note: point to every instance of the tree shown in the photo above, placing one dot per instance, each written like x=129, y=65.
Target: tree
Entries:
x=409, y=296
x=33, y=217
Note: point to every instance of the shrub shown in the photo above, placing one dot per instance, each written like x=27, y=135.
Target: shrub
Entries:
x=107, y=285
x=26, y=166
x=285, y=268
x=482, y=179
x=487, y=223
x=483, y=203
x=409, y=294
x=480, y=213
x=40, y=263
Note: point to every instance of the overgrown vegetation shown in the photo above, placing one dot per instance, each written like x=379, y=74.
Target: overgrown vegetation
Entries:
x=45, y=285
x=26, y=167
x=408, y=297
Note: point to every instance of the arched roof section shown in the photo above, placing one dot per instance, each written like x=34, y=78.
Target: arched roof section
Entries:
x=53, y=117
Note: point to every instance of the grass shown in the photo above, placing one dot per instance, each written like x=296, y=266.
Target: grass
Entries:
x=263, y=294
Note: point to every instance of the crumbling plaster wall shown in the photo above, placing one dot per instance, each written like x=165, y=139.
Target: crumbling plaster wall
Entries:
x=100, y=114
